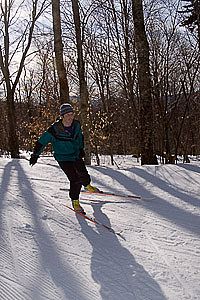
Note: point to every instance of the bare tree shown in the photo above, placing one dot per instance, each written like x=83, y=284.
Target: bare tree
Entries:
x=84, y=95
x=12, y=42
x=144, y=81
x=58, y=48
x=174, y=65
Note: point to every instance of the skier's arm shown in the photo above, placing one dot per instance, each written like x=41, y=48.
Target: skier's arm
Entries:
x=45, y=138
x=81, y=138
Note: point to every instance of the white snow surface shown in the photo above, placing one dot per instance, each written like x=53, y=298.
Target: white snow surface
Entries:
x=47, y=252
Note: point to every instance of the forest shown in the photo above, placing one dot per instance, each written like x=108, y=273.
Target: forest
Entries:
x=129, y=67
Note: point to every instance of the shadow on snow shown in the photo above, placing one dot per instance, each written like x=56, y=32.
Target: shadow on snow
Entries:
x=50, y=261
x=114, y=268
x=160, y=206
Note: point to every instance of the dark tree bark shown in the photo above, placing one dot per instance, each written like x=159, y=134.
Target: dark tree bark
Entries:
x=84, y=95
x=58, y=48
x=144, y=81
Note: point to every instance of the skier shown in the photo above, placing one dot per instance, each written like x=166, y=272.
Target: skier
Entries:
x=66, y=138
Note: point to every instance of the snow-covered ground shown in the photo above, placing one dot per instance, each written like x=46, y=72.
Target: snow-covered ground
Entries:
x=49, y=252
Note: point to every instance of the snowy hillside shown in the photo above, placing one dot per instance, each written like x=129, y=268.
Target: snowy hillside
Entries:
x=47, y=252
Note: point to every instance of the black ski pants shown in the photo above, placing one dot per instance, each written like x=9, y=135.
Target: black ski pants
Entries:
x=77, y=174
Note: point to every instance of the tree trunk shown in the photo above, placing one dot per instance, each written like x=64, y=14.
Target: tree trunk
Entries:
x=84, y=95
x=58, y=48
x=12, y=132
x=144, y=81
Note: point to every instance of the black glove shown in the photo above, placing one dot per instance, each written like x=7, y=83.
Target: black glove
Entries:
x=81, y=153
x=33, y=159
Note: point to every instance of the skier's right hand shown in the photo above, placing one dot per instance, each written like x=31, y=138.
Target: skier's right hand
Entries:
x=33, y=159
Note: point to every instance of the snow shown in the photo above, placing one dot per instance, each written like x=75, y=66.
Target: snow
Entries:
x=47, y=252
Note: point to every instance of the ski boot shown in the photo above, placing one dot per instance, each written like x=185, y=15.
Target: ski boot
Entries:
x=77, y=207
x=92, y=189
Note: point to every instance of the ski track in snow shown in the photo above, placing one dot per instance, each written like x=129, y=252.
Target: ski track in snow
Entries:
x=48, y=253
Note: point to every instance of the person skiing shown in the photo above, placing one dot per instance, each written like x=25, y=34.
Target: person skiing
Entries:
x=67, y=141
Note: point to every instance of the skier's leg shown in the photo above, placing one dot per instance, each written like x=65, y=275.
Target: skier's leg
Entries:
x=75, y=184
x=69, y=169
x=83, y=173
x=84, y=176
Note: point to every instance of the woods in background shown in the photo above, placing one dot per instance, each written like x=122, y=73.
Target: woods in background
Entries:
x=102, y=60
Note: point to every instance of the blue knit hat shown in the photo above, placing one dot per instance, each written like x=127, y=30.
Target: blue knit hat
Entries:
x=66, y=108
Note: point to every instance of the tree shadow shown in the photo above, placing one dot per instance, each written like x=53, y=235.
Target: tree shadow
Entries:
x=129, y=184
x=160, y=206
x=113, y=267
x=6, y=255
x=190, y=167
x=187, y=176
x=58, y=272
x=166, y=187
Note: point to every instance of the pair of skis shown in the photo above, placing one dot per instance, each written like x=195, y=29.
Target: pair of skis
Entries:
x=111, y=194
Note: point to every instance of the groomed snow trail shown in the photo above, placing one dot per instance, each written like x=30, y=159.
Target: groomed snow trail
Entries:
x=49, y=252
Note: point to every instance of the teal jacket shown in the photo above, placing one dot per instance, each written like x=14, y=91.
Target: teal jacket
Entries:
x=67, y=146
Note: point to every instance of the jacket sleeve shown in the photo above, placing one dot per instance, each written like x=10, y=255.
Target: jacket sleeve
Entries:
x=45, y=138
x=81, y=137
